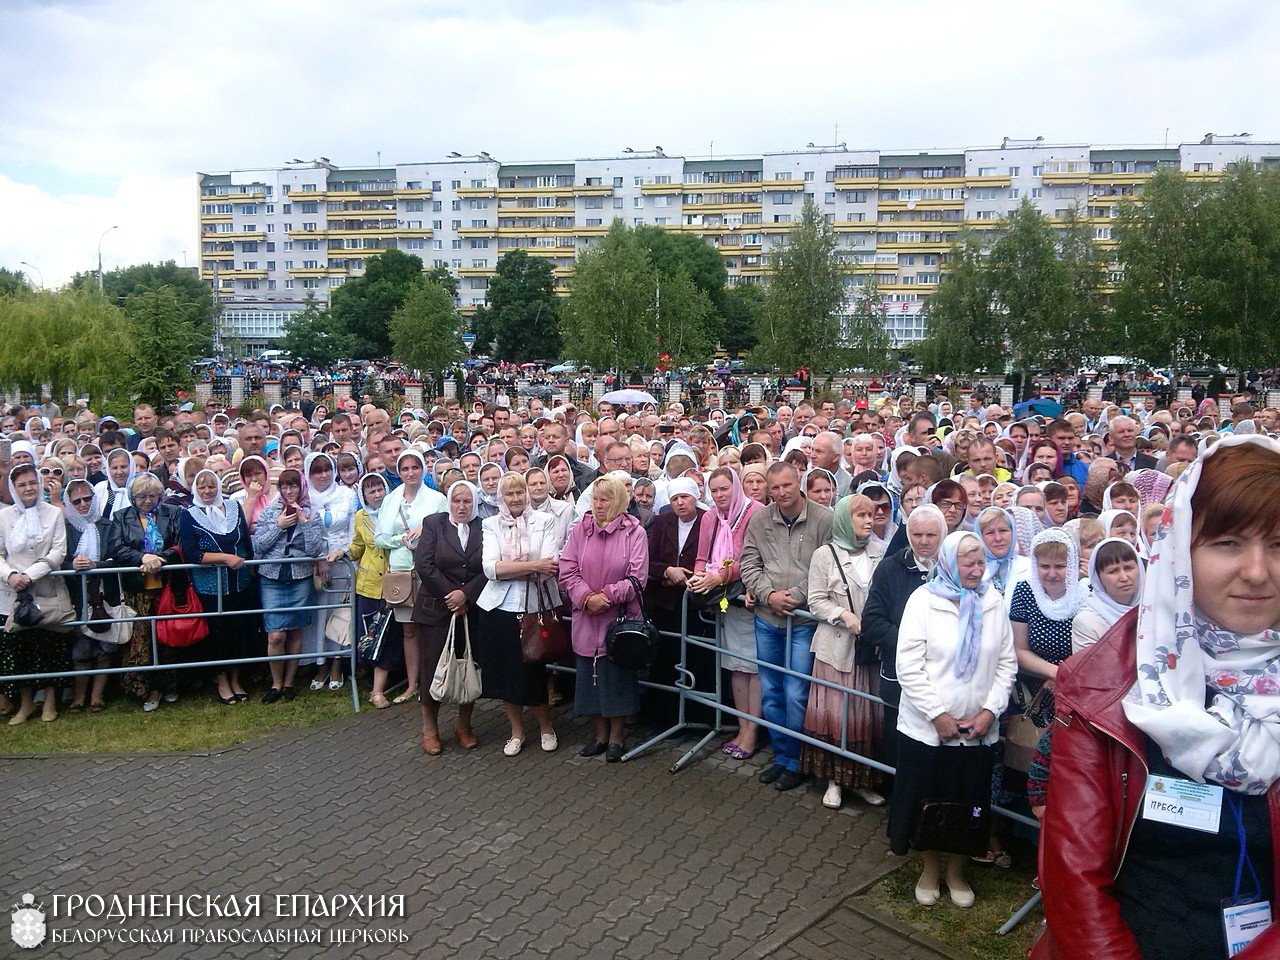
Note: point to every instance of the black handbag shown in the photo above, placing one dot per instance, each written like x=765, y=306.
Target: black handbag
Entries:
x=952, y=827
x=26, y=613
x=369, y=646
x=630, y=643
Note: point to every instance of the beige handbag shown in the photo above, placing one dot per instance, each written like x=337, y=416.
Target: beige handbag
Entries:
x=337, y=627
x=457, y=678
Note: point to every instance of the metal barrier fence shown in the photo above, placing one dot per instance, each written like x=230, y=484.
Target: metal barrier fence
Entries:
x=155, y=665
x=714, y=699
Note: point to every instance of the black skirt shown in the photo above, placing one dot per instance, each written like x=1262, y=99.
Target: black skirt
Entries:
x=503, y=673
x=233, y=637
x=604, y=689
x=951, y=774
x=35, y=650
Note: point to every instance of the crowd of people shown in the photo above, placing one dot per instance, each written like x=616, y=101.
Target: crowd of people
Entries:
x=899, y=581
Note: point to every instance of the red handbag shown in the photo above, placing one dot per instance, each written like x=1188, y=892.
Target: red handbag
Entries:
x=179, y=599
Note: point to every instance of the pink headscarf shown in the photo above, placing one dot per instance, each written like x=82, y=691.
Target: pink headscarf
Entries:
x=253, y=508
x=724, y=549
x=1152, y=485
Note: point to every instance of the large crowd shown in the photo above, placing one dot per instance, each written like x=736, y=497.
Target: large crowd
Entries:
x=1074, y=616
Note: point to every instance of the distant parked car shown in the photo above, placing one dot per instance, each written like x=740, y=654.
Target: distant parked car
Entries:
x=568, y=366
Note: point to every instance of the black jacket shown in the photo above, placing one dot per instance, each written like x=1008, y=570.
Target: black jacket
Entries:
x=892, y=584
x=124, y=542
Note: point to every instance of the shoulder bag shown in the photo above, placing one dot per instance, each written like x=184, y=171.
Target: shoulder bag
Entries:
x=398, y=585
x=179, y=599
x=951, y=827
x=632, y=643
x=726, y=593
x=865, y=654
x=457, y=678
x=1022, y=735
x=337, y=626
x=543, y=637
x=369, y=646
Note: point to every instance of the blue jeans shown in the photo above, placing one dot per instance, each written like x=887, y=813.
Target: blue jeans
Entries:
x=783, y=698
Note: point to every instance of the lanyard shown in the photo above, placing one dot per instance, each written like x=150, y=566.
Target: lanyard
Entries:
x=1244, y=860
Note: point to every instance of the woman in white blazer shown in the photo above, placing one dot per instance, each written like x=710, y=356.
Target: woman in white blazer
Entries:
x=956, y=665
x=521, y=550
x=33, y=543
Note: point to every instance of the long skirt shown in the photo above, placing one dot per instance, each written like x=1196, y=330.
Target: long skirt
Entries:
x=138, y=652
x=504, y=674
x=824, y=718
x=953, y=774
x=232, y=637
x=605, y=689
x=33, y=651
x=433, y=637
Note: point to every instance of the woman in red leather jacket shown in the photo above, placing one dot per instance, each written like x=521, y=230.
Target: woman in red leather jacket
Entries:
x=1181, y=692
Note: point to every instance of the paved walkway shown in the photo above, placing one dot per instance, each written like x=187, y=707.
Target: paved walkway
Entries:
x=537, y=856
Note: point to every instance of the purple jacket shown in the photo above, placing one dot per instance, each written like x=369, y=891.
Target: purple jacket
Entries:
x=596, y=558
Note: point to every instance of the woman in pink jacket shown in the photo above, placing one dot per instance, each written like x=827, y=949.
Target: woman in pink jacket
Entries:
x=606, y=549
x=719, y=547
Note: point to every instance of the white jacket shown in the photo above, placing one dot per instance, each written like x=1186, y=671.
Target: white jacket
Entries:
x=35, y=559
x=510, y=594
x=927, y=641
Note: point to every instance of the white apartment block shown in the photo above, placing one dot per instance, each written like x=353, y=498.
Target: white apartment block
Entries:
x=269, y=237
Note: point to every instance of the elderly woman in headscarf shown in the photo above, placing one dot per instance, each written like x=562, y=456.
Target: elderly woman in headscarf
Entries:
x=956, y=664
x=560, y=479
x=603, y=569
x=33, y=543
x=145, y=535
x=643, y=495
x=178, y=489
x=1000, y=548
x=487, y=502
x=85, y=550
x=1102, y=472
x=839, y=580
x=1041, y=612
x=755, y=482
x=335, y=506
x=520, y=562
x=1179, y=694
x=539, y=486
x=213, y=534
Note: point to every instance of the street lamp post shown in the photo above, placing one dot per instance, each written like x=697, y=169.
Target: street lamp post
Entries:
x=36, y=269
x=100, y=239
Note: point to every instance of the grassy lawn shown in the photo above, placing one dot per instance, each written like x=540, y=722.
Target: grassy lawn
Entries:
x=195, y=722
x=999, y=894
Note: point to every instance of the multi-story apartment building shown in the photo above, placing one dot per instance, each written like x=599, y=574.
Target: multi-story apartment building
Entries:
x=270, y=237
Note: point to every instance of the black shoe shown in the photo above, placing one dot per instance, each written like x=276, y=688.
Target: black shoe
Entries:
x=592, y=749
x=288, y=694
x=271, y=696
x=772, y=773
x=239, y=697
x=789, y=780
x=613, y=753
x=226, y=700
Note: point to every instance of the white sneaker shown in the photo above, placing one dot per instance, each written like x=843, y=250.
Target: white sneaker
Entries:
x=871, y=797
x=513, y=746
x=833, y=796
x=549, y=742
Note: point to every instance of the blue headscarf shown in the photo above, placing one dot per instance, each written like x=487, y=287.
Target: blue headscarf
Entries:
x=945, y=582
x=998, y=567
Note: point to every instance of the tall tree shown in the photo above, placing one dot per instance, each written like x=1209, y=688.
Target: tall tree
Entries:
x=362, y=308
x=866, y=331
x=13, y=281
x=426, y=332
x=962, y=331
x=188, y=289
x=311, y=335
x=742, y=307
x=683, y=321
x=608, y=321
x=521, y=315
x=442, y=276
x=800, y=324
x=165, y=342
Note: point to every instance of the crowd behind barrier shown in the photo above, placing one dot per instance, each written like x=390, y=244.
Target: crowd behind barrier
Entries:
x=908, y=592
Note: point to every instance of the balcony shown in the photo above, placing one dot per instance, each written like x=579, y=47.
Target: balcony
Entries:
x=773, y=186
x=417, y=193
x=858, y=183
x=243, y=235
x=566, y=191
x=478, y=193
x=476, y=271
x=953, y=204
x=597, y=189
x=1072, y=177
x=661, y=188
x=477, y=232
x=992, y=180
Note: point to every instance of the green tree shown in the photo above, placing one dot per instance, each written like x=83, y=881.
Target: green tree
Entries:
x=675, y=253
x=426, y=332
x=13, y=282
x=165, y=341
x=683, y=321
x=866, y=331
x=311, y=335
x=521, y=316
x=362, y=308
x=742, y=306
x=962, y=331
x=188, y=289
x=442, y=276
x=609, y=319
x=800, y=324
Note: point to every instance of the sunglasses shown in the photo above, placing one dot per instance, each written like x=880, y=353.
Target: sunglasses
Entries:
x=47, y=471
x=78, y=501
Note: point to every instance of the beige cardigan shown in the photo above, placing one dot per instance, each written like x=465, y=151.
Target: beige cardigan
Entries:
x=832, y=644
x=36, y=559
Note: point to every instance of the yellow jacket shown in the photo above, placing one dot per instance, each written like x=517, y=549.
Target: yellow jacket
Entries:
x=371, y=560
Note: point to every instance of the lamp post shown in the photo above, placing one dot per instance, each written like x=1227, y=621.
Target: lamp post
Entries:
x=36, y=269
x=100, y=239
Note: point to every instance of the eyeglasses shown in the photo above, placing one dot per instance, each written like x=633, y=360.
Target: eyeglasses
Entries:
x=949, y=504
x=47, y=471
x=79, y=501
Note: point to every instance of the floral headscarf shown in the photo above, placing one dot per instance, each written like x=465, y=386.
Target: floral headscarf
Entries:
x=945, y=582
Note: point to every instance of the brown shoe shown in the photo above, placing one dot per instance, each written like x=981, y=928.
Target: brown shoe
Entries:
x=466, y=739
x=431, y=744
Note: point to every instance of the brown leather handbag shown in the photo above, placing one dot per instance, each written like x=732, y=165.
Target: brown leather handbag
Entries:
x=543, y=635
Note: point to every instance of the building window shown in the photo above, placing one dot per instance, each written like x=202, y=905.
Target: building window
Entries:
x=808, y=176
x=455, y=205
x=638, y=203
x=1015, y=171
x=457, y=244
x=617, y=203
x=414, y=206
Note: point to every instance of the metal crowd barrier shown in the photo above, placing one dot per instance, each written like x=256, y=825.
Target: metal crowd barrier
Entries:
x=714, y=699
x=351, y=653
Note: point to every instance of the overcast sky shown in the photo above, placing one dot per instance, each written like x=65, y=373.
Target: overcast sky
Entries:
x=109, y=107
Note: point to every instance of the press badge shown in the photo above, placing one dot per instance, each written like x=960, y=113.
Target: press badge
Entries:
x=1183, y=803
x=1243, y=923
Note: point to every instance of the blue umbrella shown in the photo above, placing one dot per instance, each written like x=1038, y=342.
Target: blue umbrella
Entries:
x=1046, y=408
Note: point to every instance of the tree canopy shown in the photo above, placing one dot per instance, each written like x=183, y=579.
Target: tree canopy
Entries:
x=426, y=331
x=362, y=307
x=521, y=317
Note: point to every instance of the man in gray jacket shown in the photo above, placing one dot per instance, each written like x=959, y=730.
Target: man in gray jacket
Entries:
x=779, y=544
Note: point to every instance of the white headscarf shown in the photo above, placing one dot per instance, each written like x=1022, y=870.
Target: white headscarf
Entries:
x=85, y=524
x=118, y=498
x=1184, y=659
x=28, y=528
x=927, y=512
x=218, y=518
x=1065, y=607
x=1101, y=602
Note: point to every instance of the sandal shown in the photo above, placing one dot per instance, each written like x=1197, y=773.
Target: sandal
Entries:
x=74, y=707
x=735, y=751
x=407, y=696
x=379, y=701
x=996, y=858
x=97, y=707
